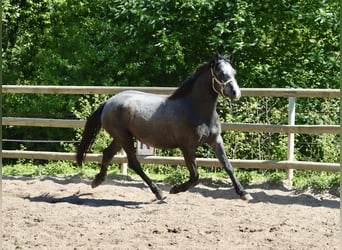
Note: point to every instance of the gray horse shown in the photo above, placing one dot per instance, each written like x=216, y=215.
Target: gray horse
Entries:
x=186, y=119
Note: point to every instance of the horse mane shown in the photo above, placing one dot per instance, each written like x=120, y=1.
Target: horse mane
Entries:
x=185, y=88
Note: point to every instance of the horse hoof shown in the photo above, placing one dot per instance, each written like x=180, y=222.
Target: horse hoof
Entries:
x=160, y=196
x=246, y=197
x=174, y=189
x=96, y=182
x=160, y=199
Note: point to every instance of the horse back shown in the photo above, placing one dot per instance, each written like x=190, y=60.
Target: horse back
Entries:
x=147, y=117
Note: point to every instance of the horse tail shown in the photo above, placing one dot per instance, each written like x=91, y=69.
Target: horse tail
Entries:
x=91, y=128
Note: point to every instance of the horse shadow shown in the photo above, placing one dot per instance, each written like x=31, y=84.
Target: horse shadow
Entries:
x=265, y=196
x=83, y=199
x=78, y=199
x=262, y=195
x=227, y=192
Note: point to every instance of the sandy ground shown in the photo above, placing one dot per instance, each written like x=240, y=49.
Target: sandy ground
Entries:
x=65, y=213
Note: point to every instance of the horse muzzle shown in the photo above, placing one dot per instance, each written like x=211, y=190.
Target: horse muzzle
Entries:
x=232, y=91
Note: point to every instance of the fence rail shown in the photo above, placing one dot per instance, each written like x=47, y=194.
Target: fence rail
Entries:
x=88, y=90
x=206, y=162
x=243, y=127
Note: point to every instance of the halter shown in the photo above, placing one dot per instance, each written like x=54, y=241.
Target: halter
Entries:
x=221, y=84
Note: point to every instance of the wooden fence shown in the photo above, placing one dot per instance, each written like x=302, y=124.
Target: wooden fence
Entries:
x=289, y=128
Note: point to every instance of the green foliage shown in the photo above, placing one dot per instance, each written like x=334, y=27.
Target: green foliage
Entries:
x=287, y=42
x=273, y=177
x=178, y=175
x=303, y=180
x=30, y=168
x=318, y=181
x=38, y=106
x=245, y=177
x=51, y=168
x=241, y=145
x=112, y=42
x=320, y=147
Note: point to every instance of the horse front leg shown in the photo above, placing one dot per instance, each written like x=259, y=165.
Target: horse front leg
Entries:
x=108, y=154
x=190, y=160
x=222, y=157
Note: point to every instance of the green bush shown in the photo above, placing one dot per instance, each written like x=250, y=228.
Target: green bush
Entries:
x=318, y=181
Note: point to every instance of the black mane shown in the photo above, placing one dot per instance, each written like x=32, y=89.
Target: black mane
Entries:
x=185, y=88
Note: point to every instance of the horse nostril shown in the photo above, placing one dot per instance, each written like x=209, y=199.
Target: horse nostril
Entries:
x=236, y=94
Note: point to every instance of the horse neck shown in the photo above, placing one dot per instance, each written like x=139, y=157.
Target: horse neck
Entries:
x=203, y=96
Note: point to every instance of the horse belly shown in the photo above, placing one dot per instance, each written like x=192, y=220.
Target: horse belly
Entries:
x=154, y=134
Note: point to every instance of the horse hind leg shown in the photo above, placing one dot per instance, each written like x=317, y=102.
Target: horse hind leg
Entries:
x=108, y=154
x=128, y=146
x=135, y=165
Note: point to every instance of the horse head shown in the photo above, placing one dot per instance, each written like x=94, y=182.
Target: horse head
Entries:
x=223, y=77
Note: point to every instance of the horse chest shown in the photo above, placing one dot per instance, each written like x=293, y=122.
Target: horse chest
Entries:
x=206, y=133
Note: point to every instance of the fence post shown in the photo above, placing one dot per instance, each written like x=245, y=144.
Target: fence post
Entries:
x=123, y=166
x=290, y=142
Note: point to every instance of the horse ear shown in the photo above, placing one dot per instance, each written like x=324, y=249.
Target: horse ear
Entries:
x=217, y=56
x=231, y=57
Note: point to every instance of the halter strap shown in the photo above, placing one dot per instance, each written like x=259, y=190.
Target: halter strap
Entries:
x=221, y=84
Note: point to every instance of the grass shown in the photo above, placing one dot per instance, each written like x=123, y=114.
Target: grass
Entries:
x=303, y=180
x=52, y=168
